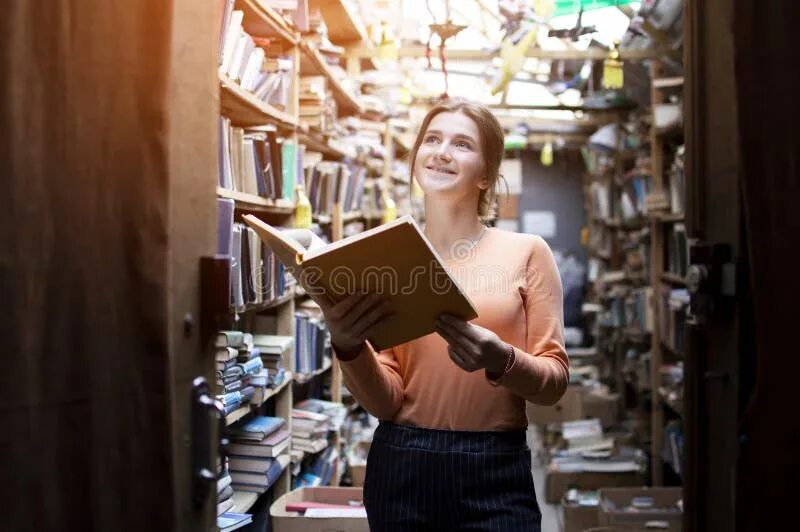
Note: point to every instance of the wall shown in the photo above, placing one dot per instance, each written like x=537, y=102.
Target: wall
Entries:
x=556, y=188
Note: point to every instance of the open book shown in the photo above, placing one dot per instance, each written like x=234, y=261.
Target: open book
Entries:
x=394, y=260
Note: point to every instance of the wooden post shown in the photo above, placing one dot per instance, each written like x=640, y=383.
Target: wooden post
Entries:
x=656, y=267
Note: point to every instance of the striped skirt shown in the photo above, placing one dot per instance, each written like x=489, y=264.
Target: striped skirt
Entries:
x=427, y=479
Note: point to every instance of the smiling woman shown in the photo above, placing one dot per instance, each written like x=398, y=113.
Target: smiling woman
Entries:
x=458, y=135
x=450, y=451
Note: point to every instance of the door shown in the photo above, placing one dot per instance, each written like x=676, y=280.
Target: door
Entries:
x=717, y=260
x=108, y=148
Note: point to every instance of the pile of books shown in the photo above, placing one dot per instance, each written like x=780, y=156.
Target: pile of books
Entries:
x=238, y=362
x=258, y=453
x=309, y=430
x=274, y=350
x=224, y=490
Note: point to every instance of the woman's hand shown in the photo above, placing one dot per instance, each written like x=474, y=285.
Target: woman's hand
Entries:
x=352, y=320
x=472, y=347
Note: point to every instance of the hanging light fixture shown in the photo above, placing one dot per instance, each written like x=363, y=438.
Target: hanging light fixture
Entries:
x=612, y=68
x=387, y=48
x=546, y=157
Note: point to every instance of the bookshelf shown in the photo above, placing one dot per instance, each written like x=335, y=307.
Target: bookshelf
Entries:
x=251, y=202
x=660, y=222
x=273, y=32
x=312, y=63
x=638, y=294
x=344, y=25
x=260, y=20
x=244, y=109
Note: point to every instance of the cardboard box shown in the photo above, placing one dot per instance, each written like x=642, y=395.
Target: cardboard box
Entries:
x=283, y=521
x=604, y=406
x=358, y=469
x=568, y=408
x=655, y=504
x=578, y=402
x=578, y=518
x=558, y=482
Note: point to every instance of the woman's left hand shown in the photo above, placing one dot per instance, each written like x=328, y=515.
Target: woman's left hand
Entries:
x=472, y=347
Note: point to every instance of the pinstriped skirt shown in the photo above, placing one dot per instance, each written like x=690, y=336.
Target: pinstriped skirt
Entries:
x=426, y=479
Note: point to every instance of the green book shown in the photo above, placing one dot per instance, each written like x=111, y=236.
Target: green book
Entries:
x=289, y=164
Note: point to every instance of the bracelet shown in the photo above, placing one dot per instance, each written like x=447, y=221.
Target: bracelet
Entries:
x=510, y=359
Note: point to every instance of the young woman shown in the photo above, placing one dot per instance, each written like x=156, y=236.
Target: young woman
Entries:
x=450, y=452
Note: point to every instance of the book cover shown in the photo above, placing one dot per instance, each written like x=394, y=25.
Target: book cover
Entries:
x=258, y=428
x=394, y=260
x=289, y=166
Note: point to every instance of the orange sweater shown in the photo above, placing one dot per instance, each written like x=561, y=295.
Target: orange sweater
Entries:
x=514, y=284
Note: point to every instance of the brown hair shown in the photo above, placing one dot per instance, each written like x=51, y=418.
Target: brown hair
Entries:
x=492, y=144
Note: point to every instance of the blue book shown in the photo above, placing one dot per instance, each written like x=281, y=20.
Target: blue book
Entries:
x=257, y=428
x=225, y=208
x=230, y=521
x=252, y=366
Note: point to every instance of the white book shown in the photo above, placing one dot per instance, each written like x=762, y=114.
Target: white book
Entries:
x=252, y=69
x=231, y=38
x=238, y=54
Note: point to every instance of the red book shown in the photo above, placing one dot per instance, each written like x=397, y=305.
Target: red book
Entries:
x=302, y=506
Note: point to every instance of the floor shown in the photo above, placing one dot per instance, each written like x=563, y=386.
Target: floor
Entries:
x=552, y=518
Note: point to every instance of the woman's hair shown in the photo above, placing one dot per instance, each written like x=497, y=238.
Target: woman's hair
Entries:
x=492, y=144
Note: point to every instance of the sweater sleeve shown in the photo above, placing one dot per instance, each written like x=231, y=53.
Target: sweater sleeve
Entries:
x=375, y=382
x=540, y=374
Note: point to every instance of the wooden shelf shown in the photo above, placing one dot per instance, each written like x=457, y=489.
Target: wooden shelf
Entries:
x=344, y=26
x=237, y=414
x=260, y=20
x=249, y=202
x=316, y=144
x=347, y=217
x=673, y=278
x=352, y=216
x=243, y=501
x=668, y=217
x=242, y=411
x=312, y=63
x=664, y=83
x=258, y=307
x=244, y=109
x=272, y=392
x=303, y=378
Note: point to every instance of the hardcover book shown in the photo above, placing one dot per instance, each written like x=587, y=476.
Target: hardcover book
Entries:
x=394, y=260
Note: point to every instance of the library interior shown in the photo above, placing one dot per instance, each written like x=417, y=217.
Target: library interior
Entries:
x=399, y=265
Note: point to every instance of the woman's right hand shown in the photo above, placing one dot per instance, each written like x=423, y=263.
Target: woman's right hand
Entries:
x=352, y=320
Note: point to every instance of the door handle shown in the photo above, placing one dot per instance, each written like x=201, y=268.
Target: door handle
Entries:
x=203, y=460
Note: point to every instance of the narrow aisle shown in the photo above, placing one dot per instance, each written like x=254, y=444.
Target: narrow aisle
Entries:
x=552, y=518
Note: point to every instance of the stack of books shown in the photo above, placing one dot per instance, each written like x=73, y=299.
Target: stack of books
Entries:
x=336, y=412
x=224, y=491
x=232, y=355
x=258, y=453
x=317, y=107
x=309, y=431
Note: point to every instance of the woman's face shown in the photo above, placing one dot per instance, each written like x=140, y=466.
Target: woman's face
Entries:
x=449, y=160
